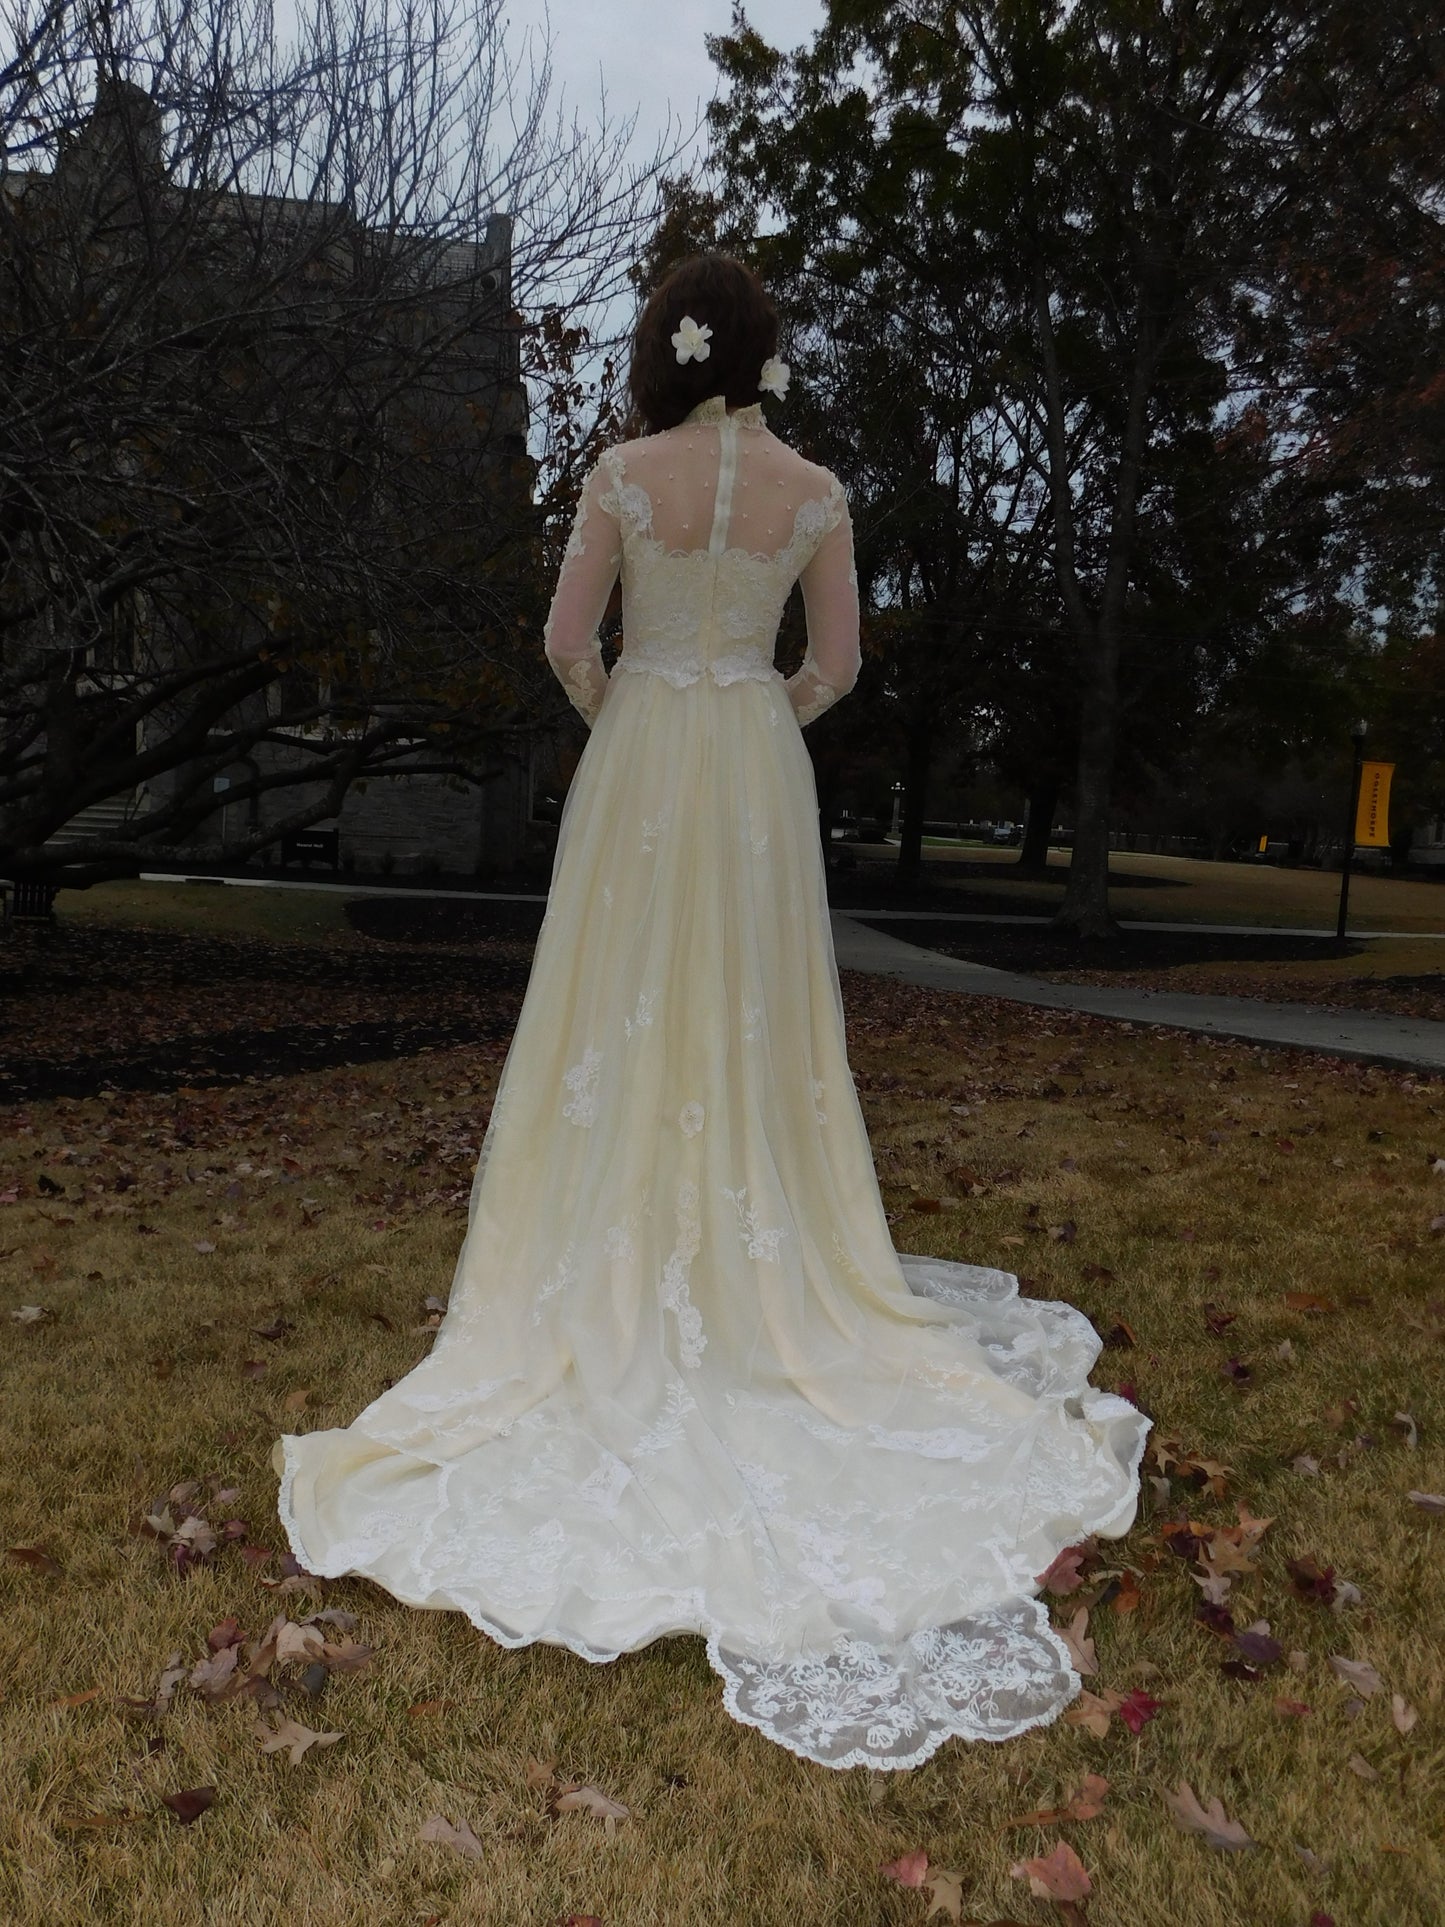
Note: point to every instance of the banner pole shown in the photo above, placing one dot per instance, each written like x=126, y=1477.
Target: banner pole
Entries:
x=1357, y=733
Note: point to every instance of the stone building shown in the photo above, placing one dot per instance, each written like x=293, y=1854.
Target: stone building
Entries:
x=422, y=824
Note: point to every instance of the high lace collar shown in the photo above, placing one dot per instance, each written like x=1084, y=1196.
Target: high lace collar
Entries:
x=715, y=408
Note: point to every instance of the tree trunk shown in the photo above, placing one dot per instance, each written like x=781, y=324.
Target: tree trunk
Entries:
x=915, y=797
x=1039, y=824
x=1085, y=908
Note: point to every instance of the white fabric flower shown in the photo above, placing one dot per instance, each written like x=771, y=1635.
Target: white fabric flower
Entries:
x=690, y=1118
x=774, y=378
x=691, y=340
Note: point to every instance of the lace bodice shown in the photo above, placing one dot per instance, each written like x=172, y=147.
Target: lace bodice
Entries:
x=709, y=524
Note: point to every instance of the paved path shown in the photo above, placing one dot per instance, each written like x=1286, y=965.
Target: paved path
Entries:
x=1376, y=1036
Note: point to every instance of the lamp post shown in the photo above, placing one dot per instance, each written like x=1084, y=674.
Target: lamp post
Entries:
x=897, y=809
x=1357, y=736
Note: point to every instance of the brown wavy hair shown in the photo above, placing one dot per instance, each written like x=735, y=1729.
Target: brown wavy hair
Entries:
x=726, y=295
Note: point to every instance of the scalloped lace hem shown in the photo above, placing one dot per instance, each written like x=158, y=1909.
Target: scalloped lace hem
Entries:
x=993, y=1674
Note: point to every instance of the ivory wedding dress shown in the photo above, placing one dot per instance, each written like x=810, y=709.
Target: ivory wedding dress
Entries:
x=684, y=1383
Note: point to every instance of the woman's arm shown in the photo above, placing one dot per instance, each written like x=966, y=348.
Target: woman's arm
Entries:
x=830, y=598
x=584, y=584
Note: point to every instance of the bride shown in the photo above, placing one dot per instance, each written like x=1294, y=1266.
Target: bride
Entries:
x=685, y=1384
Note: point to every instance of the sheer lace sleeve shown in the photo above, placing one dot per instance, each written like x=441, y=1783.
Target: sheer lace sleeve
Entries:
x=584, y=583
x=830, y=597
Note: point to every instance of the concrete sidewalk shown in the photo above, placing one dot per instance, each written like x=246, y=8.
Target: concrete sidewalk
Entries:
x=1374, y=1036
x=1377, y=1037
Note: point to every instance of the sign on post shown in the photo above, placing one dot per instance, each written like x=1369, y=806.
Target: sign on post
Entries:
x=1372, y=814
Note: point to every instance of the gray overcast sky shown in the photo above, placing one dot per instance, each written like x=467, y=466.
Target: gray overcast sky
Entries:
x=650, y=53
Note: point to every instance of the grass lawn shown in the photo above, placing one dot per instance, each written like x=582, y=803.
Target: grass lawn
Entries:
x=213, y=1264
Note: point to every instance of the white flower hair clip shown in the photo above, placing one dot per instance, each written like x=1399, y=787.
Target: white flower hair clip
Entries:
x=774, y=378
x=691, y=340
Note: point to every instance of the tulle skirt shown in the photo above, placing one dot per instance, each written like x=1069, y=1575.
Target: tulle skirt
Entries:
x=685, y=1384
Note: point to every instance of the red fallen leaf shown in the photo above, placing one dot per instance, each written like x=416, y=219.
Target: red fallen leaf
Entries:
x=1237, y=1370
x=278, y=1328
x=1241, y=1669
x=78, y=1699
x=1217, y=1320
x=1308, y=1581
x=1120, y=1337
x=228, y=1633
x=1058, y=1875
x=256, y=1556
x=1098, y=1274
x=1128, y=1390
x=1219, y=1619
x=1291, y=1709
x=1136, y=1709
x=253, y=1368
x=1064, y=1233
x=37, y=1559
x=1285, y=1143
x=1307, y=1301
x=1063, y=1575
x=909, y=1870
x=190, y=1804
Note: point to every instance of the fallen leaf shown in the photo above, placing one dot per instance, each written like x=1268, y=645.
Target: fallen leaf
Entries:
x=349, y=1657
x=1063, y=1575
x=189, y=1804
x=1427, y=1501
x=1211, y=1821
x=1136, y=1709
x=93, y=1692
x=1309, y=1581
x=591, y=1799
x=1086, y=1804
x=32, y=1314
x=945, y=1891
x=1357, y=1673
x=213, y=1676
x=37, y=1559
x=1402, y=1713
x=1076, y=1637
x=1357, y=1763
x=459, y=1838
x=1093, y=1711
x=1058, y=1875
x=303, y=1643
x=909, y=1869
x=424, y=1709
x=294, y=1737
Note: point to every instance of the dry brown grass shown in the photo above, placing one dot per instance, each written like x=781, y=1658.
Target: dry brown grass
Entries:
x=135, y=1382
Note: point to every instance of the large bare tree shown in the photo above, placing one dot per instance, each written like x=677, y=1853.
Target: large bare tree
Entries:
x=269, y=512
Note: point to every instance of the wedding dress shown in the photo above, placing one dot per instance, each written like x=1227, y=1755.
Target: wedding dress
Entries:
x=684, y=1383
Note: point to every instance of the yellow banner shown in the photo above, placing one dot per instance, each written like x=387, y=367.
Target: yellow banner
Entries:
x=1372, y=819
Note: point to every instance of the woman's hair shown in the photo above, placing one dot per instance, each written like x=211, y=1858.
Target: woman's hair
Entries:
x=717, y=291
